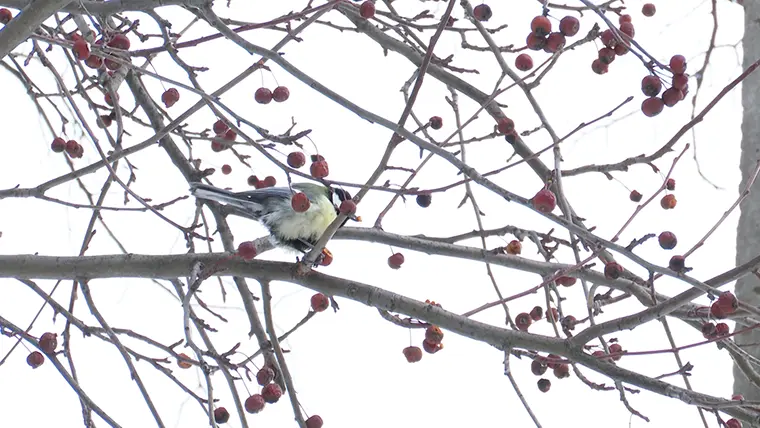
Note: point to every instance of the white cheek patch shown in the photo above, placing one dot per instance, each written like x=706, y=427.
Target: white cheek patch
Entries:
x=336, y=199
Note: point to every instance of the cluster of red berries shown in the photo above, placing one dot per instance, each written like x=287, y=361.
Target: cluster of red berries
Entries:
x=613, y=47
x=318, y=169
x=257, y=183
x=712, y=331
x=652, y=85
x=431, y=344
x=540, y=364
x=725, y=305
x=71, y=147
x=616, y=351
x=541, y=37
x=82, y=52
x=524, y=320
x=48, y=342
x=265, y=96
x=224, y=135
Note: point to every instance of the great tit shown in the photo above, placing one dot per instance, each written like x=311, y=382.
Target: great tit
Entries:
x=272, y=207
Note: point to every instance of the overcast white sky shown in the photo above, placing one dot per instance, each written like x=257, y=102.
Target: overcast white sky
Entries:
x=348, y=366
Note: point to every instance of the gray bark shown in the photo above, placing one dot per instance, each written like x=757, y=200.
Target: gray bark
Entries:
x=748, y=236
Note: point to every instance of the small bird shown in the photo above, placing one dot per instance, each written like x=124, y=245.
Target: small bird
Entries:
x=272, y=207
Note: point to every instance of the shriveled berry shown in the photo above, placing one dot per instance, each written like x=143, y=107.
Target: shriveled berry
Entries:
x=431, y=347
x=271, y=393
x=670, y=184
x=436, y=122
x=569, y=26
x=263, y=96
x=280, y=94
x=538, y=367
x=541, y=26
x=552, y=315
x=544, y=201
x=667, y=240
x=567, y=281
x=247, y=250
x=319, y=169
x=544, y=385
x=424, y=199
x=635, y=196
x=562, y=371
x=300, y=202
x=648, y=10
x=677, y=263
x=709, y=330
x=514, y=247
x=652, y=106
x=412, y=354
x=482, y=12
x=170, y=97
x=396, y=260
x=434, y=334
x=553, y=361
x=537, y=313
x=35, y=359
x=668, y=202
x=569, y=322
x=221, y=415
x=505, y=125
x=48, y=342
x=255, y=403
x=296, y=159
x=265, y=376
x=613, y=270
x=616, y=348
x=367, y=9
x=523, y=321
x=183, y=361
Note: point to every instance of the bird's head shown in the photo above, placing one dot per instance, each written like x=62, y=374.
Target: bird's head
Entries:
x=338, y=196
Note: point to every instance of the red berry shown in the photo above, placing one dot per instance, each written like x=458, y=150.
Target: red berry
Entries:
x=81, y=50
x=606, y=55
x=434, y=334
x=677, y=263
x=58, y=145
x=648, y=10
x=296, y=159
x=270, y=181
x=326, y=257
x=347, y=207
x=608, y=38
x=314, y=422
x=728, y=302
x=544, y=201
x=271, y=393
x=319, y=169
x=544, y=385
x=651, y=86
x=616, y=348
x=300, y=202
x=48, y=342
x=678, y=64
x=652, y=106
x=613, y=270
x=733, y=423
x=672, y=96
x=680, y=81
x=319, y=302
x=553, y=361
x=667, y=240
x=567, y=281
x=396, y=260
x=523, y=321
x=226, y=169
x=569, y=322
x=541, y=26
x=721, y=329
x=281, y=94
x=221, y=415
x=708, y=330
x=737, y=397
x=537, y=367
x=505, y=125
x=436, y=122
x=367, y=9
x=537, y=313
x=482, y=12
x=104, y=121
x=552, y=315
x=627, y=29
x=255, y=403
x=263, y=96
x=218, y=146
x=523, y=62
x=599, y=67
x=119, y=41
x=668, y=202
x=716, y=311
x=555, y=42
x=514, y=247
x=72, y=147
x=265, y=376
x=424, y=199
x=253, y=181
x=635, y=196
x=170, y=97
x=94, y=62
x=569, y=26
x=5, y=16
x=220, y=127
x=108, y=99
x=621, y=49
x=413, y=354
x=230, y=135
x=534, y=42
x=35, y=359
x=562, y=371
x=625, y=18
x=599, y=355
x=247, y=250
x=670, y=184
x=431, y=347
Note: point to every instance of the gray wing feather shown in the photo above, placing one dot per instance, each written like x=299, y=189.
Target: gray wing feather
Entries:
x=251, y=203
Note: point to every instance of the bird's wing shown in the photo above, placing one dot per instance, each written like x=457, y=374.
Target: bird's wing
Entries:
x=211, y=193
x=261, y=195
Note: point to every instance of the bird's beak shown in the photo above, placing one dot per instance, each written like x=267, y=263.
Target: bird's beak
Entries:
x=355, y=217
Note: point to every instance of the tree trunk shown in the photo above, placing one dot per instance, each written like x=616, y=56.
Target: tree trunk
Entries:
x=748, y=236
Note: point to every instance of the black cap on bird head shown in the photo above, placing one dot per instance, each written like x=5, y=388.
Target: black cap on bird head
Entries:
x=340, y=195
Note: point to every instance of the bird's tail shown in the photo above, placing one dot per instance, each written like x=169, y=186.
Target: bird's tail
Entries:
x=211, y=193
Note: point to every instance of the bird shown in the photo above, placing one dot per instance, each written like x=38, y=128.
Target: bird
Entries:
x=272, y=207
